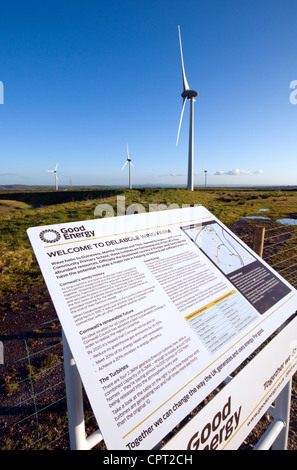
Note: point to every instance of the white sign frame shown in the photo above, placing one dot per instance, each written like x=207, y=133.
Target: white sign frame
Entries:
x=74, y=259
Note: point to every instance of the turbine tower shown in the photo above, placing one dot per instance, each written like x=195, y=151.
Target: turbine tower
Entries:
x=130, y=163
x=188, y=94
x=56, y=176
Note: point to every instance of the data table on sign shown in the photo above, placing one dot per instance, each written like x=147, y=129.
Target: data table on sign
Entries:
x=219, y=321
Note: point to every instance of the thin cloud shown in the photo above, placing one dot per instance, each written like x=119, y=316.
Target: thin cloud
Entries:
x=238, y=172
x=8, y=174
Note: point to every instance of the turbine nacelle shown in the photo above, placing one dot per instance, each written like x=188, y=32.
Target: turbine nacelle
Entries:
x=189, y=94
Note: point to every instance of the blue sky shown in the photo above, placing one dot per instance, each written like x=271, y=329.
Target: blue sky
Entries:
x=84, y=79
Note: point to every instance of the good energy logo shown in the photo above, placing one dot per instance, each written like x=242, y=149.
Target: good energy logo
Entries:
x=218, y=430
x=293, y=94
x=53, y=236
x=49, y=236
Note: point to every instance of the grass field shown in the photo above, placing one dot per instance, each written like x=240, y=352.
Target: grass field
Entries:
x=11, y=206
x=18, y=267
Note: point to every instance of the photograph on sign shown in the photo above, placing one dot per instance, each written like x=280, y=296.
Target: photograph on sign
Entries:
x=154, y=320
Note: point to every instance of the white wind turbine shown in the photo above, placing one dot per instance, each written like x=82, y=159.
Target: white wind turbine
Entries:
x=56, y=176
x=188, y=94
x=130, y=163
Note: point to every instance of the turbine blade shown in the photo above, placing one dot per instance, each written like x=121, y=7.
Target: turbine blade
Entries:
x=56, y=167
x=181, y=118
x=185, y=83
x=125, y=164
x=50, y=171
x=131, y=163
x=127, y=152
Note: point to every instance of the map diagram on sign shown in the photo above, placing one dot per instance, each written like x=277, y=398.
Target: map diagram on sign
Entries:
x=224, y=251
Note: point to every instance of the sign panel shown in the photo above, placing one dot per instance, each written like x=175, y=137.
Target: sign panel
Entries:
x=158, y=309
x=228, y=419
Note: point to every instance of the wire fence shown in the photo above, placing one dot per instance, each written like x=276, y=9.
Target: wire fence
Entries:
x=33, y=408
x=280, y=248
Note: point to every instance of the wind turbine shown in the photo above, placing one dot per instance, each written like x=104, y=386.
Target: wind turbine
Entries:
x=188, y=94
x=56, y=176
x=130, y=163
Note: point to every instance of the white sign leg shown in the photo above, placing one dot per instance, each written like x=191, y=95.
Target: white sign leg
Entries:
x=74, y=395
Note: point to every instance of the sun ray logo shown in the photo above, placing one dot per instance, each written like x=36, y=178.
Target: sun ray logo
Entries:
x=1, y=93
x=49, y=236
x=293, y=94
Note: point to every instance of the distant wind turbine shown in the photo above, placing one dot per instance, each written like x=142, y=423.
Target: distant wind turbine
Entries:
x=56, y=176
x=130, y=163
x=188, y=94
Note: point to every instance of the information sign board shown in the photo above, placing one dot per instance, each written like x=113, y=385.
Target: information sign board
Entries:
x=158, y=308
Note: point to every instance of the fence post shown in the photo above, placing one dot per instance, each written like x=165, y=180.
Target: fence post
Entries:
x=1, y=353
x=259, y=241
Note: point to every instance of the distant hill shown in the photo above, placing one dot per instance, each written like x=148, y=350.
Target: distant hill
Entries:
x=45, y=197
x=27, y=187
x=23, y=187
